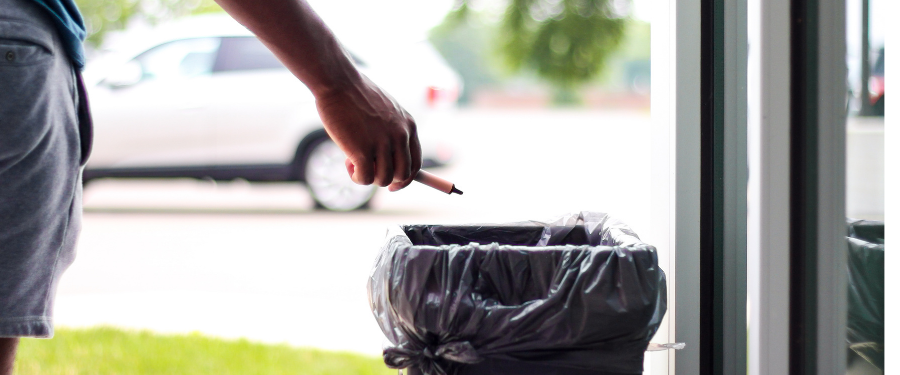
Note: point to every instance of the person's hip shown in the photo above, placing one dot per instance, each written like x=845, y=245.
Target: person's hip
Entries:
x=41, y=153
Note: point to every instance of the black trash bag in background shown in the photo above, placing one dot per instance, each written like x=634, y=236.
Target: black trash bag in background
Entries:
x=581, y=292
x=865, y=290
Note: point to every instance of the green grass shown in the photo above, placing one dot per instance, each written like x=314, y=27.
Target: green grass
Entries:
x=107, y=351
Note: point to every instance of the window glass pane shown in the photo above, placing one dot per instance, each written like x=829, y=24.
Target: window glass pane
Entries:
x=865, y=186
x=179, y=59
x=245, y=53
x=865, y=105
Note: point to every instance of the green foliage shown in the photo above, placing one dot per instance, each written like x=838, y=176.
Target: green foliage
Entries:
x=632, y=60
x=636, y=44
x=464, y=41
x=108, y=351
x=566, y=41
x=102, y=16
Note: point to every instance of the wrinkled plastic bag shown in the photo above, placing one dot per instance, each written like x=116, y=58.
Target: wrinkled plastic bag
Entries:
x=865, y=290
x=580, y=292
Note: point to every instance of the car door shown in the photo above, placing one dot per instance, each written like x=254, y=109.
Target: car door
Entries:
x=261, y=111
x=161, y=119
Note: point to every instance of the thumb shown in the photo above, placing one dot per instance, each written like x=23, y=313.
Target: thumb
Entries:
x=361, y=172
x=350, y=167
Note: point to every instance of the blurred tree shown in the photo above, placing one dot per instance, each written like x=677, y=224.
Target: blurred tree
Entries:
x=102, y=16
x=629, y=67
x=567, y=42
x=465, y=44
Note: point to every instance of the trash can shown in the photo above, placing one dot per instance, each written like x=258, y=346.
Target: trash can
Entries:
x=579, y=295
x=865, y=290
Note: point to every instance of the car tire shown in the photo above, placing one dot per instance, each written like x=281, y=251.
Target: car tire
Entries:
x=327, y=180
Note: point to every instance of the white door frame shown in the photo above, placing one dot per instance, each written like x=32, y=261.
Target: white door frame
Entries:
x=675, y=199
x=768, y=259
x=773, y=230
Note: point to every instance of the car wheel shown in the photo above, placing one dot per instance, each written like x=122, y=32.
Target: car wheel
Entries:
x=326, y=177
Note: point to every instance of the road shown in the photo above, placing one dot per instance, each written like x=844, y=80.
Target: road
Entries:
x=257, y=261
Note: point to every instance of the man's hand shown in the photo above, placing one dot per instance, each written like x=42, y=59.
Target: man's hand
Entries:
x=377, y=135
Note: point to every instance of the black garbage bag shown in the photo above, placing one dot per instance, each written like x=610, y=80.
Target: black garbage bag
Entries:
x=581, y=292
x=865, y=290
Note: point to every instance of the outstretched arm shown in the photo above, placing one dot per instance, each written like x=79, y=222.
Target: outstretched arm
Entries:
x=375, y=132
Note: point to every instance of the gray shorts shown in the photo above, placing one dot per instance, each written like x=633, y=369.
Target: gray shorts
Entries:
x=41, y=154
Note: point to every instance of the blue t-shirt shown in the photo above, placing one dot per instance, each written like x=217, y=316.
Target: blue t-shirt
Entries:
x=70, y=26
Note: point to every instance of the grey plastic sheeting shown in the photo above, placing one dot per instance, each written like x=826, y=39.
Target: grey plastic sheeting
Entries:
x=579, y=292
x=865, y=290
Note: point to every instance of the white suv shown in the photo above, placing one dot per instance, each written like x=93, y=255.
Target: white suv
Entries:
x=203, y=98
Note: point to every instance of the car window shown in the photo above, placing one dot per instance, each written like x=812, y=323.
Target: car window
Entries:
x=244, y=53
x=179, y=59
